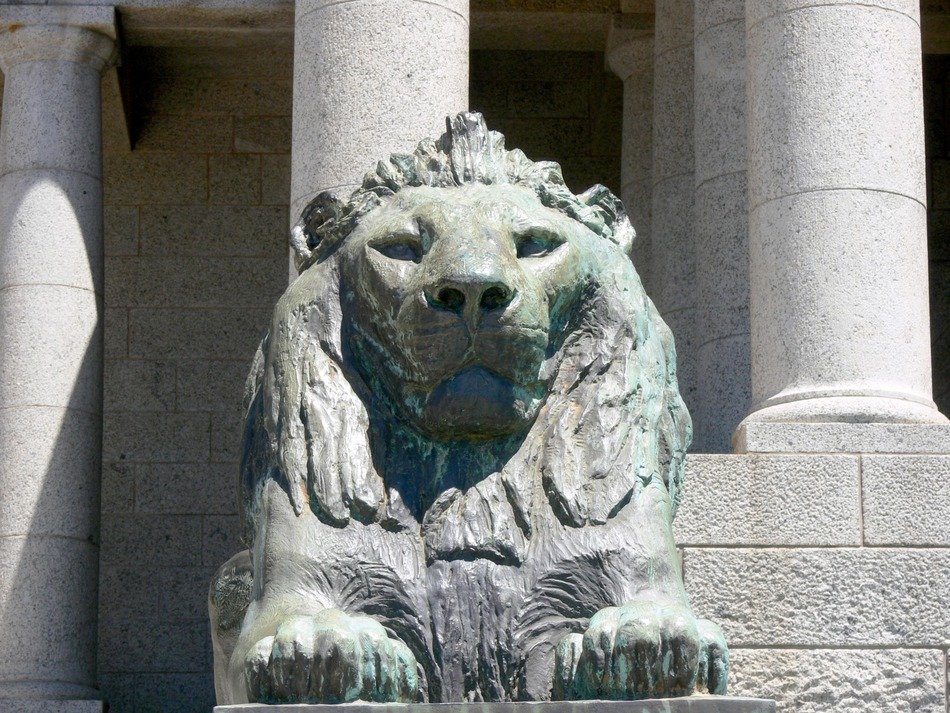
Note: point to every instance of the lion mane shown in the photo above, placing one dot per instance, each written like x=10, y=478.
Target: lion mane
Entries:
x=613, y=416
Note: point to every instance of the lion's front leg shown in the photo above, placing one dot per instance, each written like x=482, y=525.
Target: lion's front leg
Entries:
x=330, y=657
x=644, y=648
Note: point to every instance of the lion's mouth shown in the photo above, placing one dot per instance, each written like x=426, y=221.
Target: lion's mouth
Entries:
x=514, y=353
x=476, y=401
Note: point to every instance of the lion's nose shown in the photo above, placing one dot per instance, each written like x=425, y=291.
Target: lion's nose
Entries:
x=455, y=295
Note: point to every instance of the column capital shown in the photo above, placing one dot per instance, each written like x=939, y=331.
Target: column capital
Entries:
x=85, y=34
x=629, y=46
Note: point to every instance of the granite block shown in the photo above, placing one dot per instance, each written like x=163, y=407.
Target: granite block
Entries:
x=770, y=500
x=906, y=499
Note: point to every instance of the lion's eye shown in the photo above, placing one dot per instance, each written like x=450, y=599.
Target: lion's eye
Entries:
x=405, y=247
x=537, y=244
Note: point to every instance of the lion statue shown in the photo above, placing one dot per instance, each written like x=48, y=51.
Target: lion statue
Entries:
x=463, y=451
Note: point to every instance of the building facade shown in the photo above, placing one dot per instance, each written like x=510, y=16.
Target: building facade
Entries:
x=786, y=164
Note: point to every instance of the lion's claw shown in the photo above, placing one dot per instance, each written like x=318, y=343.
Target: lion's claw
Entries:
x=641, y=649
x=331, y=657
x=713, y=659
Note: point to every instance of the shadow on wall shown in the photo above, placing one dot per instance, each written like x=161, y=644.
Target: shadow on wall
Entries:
x=937, y=127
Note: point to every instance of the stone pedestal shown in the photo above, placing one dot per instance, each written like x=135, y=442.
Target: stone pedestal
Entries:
x=693, y=704
x=837, y=224
x=51, y=360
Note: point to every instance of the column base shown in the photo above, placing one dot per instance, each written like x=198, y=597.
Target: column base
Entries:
x=844, y=424
x=690, y=704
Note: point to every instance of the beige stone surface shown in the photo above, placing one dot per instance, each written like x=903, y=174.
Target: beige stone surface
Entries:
x=823, y=597
x=50, y=312
x=836, y=314
x=150, y=178
x=770, y=500
x=47, y=462
x=836, y=337
x=672, y=270
x=371, y=78
x=51, y=357
x=866, y=126
x=842, y=438
x=842, y=680
x=157, y=437
x=630, y=56
x=906, y=499
x=189, y=289
x=723, y=341
x=48, y=616
x=52, y=226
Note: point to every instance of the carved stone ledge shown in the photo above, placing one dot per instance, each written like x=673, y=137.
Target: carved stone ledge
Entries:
x=693, y=704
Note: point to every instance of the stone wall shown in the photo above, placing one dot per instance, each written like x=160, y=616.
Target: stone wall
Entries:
x=559, y=106
x=196, y=254
x=827, y=571
x=830, y=575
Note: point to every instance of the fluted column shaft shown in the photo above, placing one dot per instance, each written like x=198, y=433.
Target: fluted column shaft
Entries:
x=840, y=324
x=51, y=360
x=673, y=271
x=371, y=77
x=630, y=56
x=723, y=347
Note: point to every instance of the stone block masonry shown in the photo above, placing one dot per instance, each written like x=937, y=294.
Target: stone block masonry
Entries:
x=829, y=574
x=560, y=106
x=196, y=236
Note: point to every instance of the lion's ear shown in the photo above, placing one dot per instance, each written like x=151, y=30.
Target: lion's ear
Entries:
x=316, y=428
x=306, y=235
x=614, y=418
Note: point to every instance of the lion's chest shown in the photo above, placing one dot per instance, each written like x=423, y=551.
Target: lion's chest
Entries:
x=478, y=523
x=472, y=607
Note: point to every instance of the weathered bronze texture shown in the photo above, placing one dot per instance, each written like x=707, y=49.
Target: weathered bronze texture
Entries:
x=463, y=452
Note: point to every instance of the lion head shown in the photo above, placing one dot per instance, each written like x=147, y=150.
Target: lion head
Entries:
x=464, y=315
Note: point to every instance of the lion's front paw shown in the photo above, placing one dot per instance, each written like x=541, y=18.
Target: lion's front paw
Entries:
x=330, y=657
x=641, y=649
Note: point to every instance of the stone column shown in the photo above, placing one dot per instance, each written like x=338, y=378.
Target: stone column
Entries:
x=51, y=355
x=630, y=56
x=837, y=228
x=723, y=388
x=371, y=77
x=673, y=271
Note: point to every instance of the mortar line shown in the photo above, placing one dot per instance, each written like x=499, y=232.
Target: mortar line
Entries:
x=861, y=499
